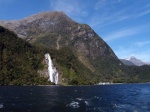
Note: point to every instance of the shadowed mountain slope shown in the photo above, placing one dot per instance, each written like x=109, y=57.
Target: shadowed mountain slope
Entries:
x=56, y=31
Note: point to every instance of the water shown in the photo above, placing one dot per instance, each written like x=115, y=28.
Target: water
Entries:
x=52, y=72
x=102, y=98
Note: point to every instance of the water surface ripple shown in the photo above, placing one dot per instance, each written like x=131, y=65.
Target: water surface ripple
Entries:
x=98, y=98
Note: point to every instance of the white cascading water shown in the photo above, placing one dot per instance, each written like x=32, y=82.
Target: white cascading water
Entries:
x=52, y=72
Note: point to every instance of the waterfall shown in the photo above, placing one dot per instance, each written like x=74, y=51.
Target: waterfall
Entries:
x=52, y=72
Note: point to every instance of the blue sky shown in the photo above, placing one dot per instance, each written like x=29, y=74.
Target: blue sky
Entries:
x=123, y=24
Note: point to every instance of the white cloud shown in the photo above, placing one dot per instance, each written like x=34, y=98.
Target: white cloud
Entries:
x=70, y=7
x=107, y=19
x=142, y=43
x=123, y=53
x=103, y=4
x=6, y=1
x=100, y=4
x=147, y=5
x=144, y=56
x=123, y=33
x=126, y=52
x=143, y=13
x=109, y=12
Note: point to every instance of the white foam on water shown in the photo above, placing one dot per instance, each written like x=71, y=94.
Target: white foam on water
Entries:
x=96, y=97
x=95, y=109
x=119, y=105
x=1, y=105
x=128, y=107
x=74, y=104
x=124, y=106
x=79, y=99
x=86, y=103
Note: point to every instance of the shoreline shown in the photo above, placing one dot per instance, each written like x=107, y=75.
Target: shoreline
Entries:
x=82, y=85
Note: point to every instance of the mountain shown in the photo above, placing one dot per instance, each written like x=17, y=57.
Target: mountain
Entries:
x=78, y=53
x=23, y=64
x=133, y=61
x=19, y=61
x=55, y=30
x=127, y=62
x=147, y=63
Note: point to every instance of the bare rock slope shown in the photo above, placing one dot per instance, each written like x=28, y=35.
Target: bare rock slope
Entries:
x=55, y=30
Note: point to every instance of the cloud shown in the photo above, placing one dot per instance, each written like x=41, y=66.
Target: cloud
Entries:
x=142, y=43
x=147, y=5
x=102, y=4
x=123, y=33
x=110, y=13
x=104, y=12
x=123, y=53
x=104, y=19
x=70, y=7
x=143, y=13
x=6, y=1
x=144, y=56
x=126, y=52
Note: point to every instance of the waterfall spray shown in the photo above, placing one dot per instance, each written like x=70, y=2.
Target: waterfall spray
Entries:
x=52, y=72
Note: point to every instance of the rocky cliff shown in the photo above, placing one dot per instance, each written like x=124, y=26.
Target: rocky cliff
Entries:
x=55, y=30
x=19, y=61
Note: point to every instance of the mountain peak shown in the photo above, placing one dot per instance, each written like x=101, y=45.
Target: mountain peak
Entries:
x=135, y=61
x=50, y=15
x=132, y=57
x=44, y=22
x=55, y=30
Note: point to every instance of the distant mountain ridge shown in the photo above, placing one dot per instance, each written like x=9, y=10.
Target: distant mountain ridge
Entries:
x=36, y=24
x=19, y=61
x=56, y=30
x=127, y=62
x=80, y=55
x=133, y=61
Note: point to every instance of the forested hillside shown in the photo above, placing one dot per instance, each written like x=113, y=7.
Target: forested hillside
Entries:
x=19, y=61
x=79, y=54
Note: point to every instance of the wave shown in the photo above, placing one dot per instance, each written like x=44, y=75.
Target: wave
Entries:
x=73, y=104
x=1, y=105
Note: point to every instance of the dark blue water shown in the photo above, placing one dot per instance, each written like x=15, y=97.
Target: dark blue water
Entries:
x=102, y=98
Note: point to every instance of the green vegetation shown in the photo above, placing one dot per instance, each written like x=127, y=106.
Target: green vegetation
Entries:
x=107, y=68
x=19, y=61
x=138, y=74
x=111, y=70
x=73, y=71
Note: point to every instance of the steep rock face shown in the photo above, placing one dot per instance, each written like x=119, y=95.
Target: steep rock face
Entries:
x=133, y=61
x=127, y=62
x=64, y=29
x=41, y=23
x=136, y=61
x=19, y=61
x=56, y=30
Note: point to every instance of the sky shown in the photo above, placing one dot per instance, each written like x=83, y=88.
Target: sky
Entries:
x=123, y=24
